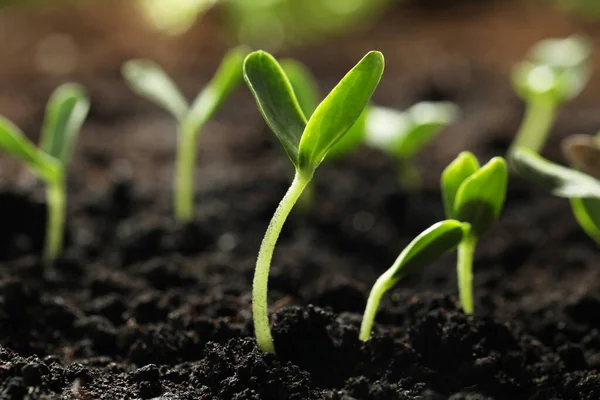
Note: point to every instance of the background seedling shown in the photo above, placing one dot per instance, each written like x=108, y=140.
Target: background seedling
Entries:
x=149, y=80
x=582, y=189
x=306, y=144
x=65, y=113
x=431, y=244
x=554, y=72
x=474, y=195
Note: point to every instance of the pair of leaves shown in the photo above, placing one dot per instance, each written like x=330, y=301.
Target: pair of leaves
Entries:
x=308, y=142
x=148, y=80
x=65, y=113
x=474, y=194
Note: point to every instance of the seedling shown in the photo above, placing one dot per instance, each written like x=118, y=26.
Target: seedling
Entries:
x=474, y=195
x=65, y=113
x=148, y=80
x=582, y=189
x=403, y=135
x=554, y=72
x=431, y=244
x=306, y=144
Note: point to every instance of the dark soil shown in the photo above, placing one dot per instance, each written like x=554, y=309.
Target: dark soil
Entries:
x=140, y=307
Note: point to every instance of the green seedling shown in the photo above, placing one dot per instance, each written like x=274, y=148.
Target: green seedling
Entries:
x=582, y=189
x=65, y=113
x=474, y=195
x=431, y=244
x=555, y=71
x=148, y=80
x=306, y=144
x=403, y=135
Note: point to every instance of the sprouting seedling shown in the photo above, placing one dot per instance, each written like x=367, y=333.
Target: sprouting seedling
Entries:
x=582, y=189
x=306, y=144
x=403, y=135
x=65, y=113
x=555, y=71
x=431, y=244
x=474, y=195
x=149, y=80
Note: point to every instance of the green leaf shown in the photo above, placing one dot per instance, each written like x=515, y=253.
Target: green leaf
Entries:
x=14, y=142
x=351, y=140
x=148, y=80
x=556, y=179
x=480, y=198
x=276, y=101
x=226, y=79
x=304, y=85
x=454, y=175
x=339, y=111
x=65, y=113
x=587, y=213
x=431, y=244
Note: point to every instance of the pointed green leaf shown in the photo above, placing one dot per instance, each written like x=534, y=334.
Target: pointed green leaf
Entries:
x=276, y=100
x=14, y=142
x=304, y=85
x=480, y=198
x=351, y=139
x=431, y=244
x=556, y=179
x=454, y=175
x=65, y=113
x=340, y=110
x=148, y=80
x=587, y=213
x=226, y=79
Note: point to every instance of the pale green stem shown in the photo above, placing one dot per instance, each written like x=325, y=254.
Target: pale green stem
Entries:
x=466, y=251
x=263, y=263
x=536, y=124
x=382, y=285
x=55, y=223
x=183, y=193
x=306, y=200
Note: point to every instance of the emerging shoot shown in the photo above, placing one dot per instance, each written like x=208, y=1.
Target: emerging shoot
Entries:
x=65, y=113
x=555, y=71
x=306, y=144
x=582, y=189
x=474, y=195
x=149, y=80
x=431, y=244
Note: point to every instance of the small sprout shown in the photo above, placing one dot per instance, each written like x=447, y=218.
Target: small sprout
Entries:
x=474, y=195
x=65, y=113
x=148, y=80
x=404, y=134
x=431, y=244
x=306, y=144
x=555, y=71
x=582, y=189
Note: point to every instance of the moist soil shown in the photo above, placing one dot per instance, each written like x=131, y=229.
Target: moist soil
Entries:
x=140, y=307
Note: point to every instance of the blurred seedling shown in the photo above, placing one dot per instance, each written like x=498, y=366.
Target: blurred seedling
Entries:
x=306, y=143
x=580, y=184
x=554, y=72
x=148, y=80
x=431, y=244
x=475, y=195
x=65, y=113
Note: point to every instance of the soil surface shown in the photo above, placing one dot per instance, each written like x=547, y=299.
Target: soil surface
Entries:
x=140, y=307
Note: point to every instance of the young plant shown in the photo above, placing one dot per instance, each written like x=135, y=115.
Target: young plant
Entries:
x=65, y=113
x=554, y=72
x=150, y=81
x=306, y=144
x=474, y=195
x=582, y=189
x=403, y=135
x=431, y=244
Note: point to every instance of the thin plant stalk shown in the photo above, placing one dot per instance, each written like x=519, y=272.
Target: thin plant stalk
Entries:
x=466, y=251
x=536, y=124
x=382, y=285
x=183, y=197
x=55, y=196
x=263, y=263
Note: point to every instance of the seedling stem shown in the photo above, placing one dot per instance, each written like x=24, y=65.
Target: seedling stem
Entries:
x=535, y=127
x=466, y=250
